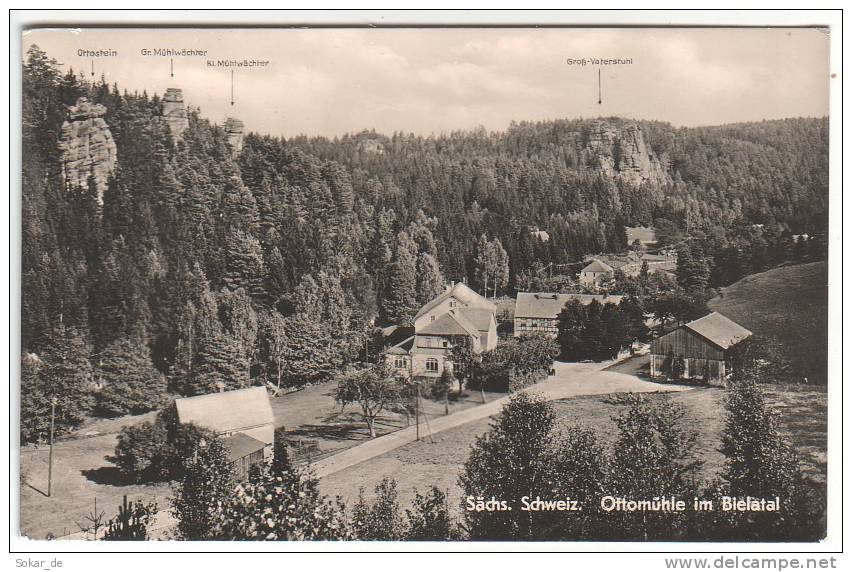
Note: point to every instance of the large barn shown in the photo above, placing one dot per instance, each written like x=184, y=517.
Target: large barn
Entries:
x=702, y=344
x=243, y=418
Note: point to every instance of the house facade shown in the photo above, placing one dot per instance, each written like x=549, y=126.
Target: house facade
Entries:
x=538, y=312
x=459, y=315
x=243, y=418
x=595, y=272
x=702, y=344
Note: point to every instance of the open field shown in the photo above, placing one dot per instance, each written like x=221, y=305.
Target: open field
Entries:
x=789, y=304
x=645, y=235
x=421, y=464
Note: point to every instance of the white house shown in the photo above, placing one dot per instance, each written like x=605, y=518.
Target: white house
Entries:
x=457, y=314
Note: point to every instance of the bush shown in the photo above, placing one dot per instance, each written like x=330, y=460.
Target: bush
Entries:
x=279, y=505
x=654, y=456
x=514, y=364
x=381, y=520
x=142, y=452
x=156, y=451
x=429, y=517
x=131, y=522
x=761, y=463
x=514, y=459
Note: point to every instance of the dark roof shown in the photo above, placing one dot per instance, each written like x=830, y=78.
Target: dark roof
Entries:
x=397, y=334
x=547, y=305
x=450, y=324
x=597, y=266
x=227, y=411
x=239, y=445
x=719, y=330
x=402, y=348
x=461, y=292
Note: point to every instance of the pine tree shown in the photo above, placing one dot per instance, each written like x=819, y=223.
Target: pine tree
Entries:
x=654, y=456
x=430, y=282
x=399, y=303
x=221, y=365
x=244, y=266
x=59, y=373
x=128, y=381
x=207, y=483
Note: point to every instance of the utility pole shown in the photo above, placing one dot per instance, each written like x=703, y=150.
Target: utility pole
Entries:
x=50, y=454
x=417, y=408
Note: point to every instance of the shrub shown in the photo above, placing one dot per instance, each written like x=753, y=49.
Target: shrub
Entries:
x=761, y=463
x=513, y=460
x=158, y=450
x=429, y=517
x=279, y=505
x=132, y=521
x=142, y=452
x=515, y=363
x=206, y=484
x=381, y=520
x=653, y=456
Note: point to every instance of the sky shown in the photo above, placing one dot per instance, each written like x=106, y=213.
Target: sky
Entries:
x=432, y=80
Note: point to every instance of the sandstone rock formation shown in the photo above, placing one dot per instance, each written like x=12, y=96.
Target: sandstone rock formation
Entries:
x=234, y=132
x=87, y=147
x=174, y=111
x=621, y=153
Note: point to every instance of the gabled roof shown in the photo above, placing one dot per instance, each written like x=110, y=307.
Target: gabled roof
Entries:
x=397, y=334
x=227, y=411
x=239, y=445
x=480, y=318
x=402, y=348
x=655, y=258
x=463, y=294
x=597, y=266
x=719, y=330
x=547, y=305
x=450, y=324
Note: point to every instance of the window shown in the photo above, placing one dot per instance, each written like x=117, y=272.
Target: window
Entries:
x=399, y=362
x=432, y=318
x=452, y=303
x=444, y=343
x=432, y=365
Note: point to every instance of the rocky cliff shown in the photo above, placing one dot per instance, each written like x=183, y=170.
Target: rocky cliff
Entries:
x=620, y=152
x=87, y=147
x=234, y=132
x=174, y=111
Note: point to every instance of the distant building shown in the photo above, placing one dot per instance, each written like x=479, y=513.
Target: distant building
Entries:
x=542, y=235
x=702, y=344
x=538, y=312
x=243, y=418
x=458, y=313
x=595, y=272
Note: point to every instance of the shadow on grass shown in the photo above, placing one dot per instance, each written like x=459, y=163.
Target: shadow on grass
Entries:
x=339, y=432
x=36, y=489
x=108, y=476
x=344, y=426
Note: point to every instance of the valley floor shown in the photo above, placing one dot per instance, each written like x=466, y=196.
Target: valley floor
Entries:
x=582, y=394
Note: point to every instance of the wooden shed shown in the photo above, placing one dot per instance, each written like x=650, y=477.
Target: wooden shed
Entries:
x=243, y=418
x=702, y=344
